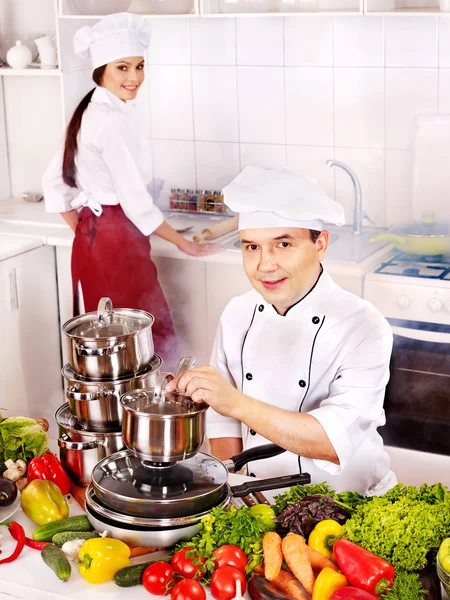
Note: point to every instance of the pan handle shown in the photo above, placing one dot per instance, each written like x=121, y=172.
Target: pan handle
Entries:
x=236, y=462
x=259, y=485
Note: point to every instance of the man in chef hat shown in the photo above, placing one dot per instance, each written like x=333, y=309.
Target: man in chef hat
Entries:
x=297, y=361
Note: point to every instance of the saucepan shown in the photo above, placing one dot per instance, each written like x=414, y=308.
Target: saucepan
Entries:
x=160, y=509
x=424, y=238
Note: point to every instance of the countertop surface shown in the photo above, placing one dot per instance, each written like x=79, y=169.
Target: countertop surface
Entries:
x=12, y=245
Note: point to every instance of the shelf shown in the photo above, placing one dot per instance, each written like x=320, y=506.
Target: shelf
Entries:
x=30, y=72
x=419, y=12
x=276, y=13
x=146, y=16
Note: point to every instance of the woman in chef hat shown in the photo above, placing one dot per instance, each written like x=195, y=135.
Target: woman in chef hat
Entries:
x=99, y=184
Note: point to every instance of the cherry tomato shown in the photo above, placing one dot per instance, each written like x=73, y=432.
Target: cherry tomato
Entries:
x=185, y=566
x=187, y=589
x=158, y=578
x=223, y=582
x=232, y=556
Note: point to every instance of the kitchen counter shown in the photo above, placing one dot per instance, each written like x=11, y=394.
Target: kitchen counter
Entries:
x=12, y=245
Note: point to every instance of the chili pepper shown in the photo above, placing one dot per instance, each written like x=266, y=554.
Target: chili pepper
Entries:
x=49, y=467
x=327, y=582
x=15, y=529
x=352, y=593
x=28, y=541
x=363, y=569
x=319, y=536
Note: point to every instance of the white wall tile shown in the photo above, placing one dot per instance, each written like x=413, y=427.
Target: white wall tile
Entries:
x=309, y=106
x=368, y=166
x=359, y=107
x=216, y=164
x=358, y=42
x=261, y=105
x=311, y=161
x=444, y=42
x=267, y=156
x=171, y=102
x=213, y=41
x=259, y=41
x=398, y=201
x=308, y=42
x=411, y=42
x=444, y=91
x=174, y=161
x=409, y=92
x=170, y=42
x=215, y=104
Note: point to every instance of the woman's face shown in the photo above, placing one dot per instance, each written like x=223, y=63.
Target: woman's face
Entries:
x=124, y=77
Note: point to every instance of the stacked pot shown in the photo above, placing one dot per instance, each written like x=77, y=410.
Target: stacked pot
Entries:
x=110, y=354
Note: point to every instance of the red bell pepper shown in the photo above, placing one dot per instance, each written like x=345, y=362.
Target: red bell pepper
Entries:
x=363, y=569
x=49, y=468
x=351, y=593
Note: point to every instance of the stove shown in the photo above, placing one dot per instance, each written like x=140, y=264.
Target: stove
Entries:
x=429, y=267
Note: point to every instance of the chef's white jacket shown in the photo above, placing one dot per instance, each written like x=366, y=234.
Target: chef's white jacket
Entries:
x=328, y=356
x=113, y=166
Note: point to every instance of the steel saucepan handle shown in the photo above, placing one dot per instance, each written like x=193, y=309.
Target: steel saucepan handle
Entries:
x=65, y=442
x=73, y=394
x=236, y=462
x=83, y=351
x=259, y=485
x=104, y=312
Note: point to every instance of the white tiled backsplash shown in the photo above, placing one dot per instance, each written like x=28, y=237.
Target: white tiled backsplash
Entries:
x=296, y=91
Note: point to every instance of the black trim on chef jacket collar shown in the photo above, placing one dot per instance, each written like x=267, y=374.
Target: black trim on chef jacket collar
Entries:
x=301, y=299
x=309, y=378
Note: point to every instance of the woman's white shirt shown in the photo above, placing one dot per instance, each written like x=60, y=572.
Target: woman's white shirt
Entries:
x=112, y=166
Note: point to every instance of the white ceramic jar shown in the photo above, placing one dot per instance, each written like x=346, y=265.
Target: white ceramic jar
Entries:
x=19, y=56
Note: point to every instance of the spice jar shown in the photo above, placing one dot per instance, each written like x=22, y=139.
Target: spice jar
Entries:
x=173, y=200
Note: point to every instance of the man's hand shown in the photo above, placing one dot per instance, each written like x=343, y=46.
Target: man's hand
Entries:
x=205, y=383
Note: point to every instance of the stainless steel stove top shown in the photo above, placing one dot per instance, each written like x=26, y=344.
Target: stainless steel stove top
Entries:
x=422, y=267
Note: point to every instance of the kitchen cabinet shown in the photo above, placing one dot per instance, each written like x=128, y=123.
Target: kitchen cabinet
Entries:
x=29, y=336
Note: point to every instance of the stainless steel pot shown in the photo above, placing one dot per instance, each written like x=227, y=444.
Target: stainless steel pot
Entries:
x=110, y=344
x=160, y=426
x=96, y=404
x=81, y=450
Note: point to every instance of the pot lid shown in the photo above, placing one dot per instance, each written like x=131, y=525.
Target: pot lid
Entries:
x=69, y=373
x=65, y=418
x=107, y=323
x=147, y=403
x=123, y=480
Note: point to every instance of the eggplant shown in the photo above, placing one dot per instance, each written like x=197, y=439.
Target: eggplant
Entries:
x=8, y=492
x=260, y=588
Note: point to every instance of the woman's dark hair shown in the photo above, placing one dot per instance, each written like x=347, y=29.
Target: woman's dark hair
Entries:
x=71, y=143
x=314, y=234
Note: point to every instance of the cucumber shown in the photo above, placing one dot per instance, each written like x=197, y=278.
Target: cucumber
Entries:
x=66, y=536
x=55, y=558
x=44, y=533
x=129, y=576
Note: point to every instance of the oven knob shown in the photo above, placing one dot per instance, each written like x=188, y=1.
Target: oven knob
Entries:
x=403, y=301
x=435, y=305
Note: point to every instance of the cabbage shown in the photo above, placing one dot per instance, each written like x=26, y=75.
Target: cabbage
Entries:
x=21, y=437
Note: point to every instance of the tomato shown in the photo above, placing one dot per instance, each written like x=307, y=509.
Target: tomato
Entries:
x=158, y=578
x=223, y=583
x=185, y=566
x=265, y=513
x=232, y=556
x=187, y=589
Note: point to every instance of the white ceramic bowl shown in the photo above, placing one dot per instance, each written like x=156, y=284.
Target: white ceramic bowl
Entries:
x=170, y=7
x=101, y=7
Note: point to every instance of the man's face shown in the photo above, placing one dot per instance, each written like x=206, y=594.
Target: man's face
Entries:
x=282, y=264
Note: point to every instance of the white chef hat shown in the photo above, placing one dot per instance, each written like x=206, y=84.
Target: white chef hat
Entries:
x=280, y=198
x=115, y=36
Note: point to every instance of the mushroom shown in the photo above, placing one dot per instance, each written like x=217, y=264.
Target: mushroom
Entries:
x=22, y=483
x=15, y=470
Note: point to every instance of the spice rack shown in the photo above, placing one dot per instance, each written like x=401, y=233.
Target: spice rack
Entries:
x=197, y=202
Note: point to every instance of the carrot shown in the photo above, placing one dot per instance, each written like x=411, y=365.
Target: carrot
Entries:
x=318, y=561
x=273, y=556
x=286, y=583
x=296, y=557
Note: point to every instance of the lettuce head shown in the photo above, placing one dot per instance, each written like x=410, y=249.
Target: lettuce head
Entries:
x=21, y=437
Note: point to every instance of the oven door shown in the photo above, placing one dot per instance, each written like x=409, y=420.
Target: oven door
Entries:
x=417, y=401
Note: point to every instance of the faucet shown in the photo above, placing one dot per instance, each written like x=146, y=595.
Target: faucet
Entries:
x=357, y=210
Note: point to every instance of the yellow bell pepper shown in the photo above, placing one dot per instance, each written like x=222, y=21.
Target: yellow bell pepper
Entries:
x=43, y=502
x=318, y=536
x=99, y=559
x=327, y=582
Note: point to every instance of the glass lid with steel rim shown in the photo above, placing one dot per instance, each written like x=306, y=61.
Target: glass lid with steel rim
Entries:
x=106, y=322
x=69, y=373
x=131, y=486
x=162, y=404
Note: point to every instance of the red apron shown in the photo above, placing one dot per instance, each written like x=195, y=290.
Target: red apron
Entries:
x=111, y=257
